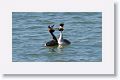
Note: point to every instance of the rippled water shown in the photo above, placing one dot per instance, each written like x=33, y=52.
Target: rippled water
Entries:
x=30, y=33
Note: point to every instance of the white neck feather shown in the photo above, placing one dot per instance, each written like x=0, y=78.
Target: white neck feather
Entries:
x=60, y=39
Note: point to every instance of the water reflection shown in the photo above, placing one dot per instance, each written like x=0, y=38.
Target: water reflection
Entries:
x=56, y=49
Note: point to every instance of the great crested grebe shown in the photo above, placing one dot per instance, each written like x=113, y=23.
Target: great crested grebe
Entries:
x=54, y=40
x=62, y=41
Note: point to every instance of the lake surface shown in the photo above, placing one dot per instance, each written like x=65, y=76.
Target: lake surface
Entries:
x=82, y=29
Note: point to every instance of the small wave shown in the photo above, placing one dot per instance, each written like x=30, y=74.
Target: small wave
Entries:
x=76, y=17
x=85, y=22
x=47, y=22
x=18, y=29
x=33, y=27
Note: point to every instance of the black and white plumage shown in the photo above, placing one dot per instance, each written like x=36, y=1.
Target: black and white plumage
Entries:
x=61, y=40
x=54, y=41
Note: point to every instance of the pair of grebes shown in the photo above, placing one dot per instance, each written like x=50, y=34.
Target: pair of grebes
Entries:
x=60, y=40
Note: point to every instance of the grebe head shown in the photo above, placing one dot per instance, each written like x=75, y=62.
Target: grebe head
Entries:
x=50, y=29
x=61, y=27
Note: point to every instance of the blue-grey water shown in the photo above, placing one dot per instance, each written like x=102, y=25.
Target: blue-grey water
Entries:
x=82, y=29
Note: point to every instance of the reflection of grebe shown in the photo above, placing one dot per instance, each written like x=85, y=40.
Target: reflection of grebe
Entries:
x=62, y=41
x=53, y=42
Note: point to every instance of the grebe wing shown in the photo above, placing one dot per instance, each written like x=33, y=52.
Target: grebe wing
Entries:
x=66, y=41
x=51, y=43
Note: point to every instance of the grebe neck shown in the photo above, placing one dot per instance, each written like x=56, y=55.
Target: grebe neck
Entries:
x=61, y=36
x=53, y=36
x=60, y=39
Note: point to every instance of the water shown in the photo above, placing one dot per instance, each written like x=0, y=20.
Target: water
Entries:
x=30, y=33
